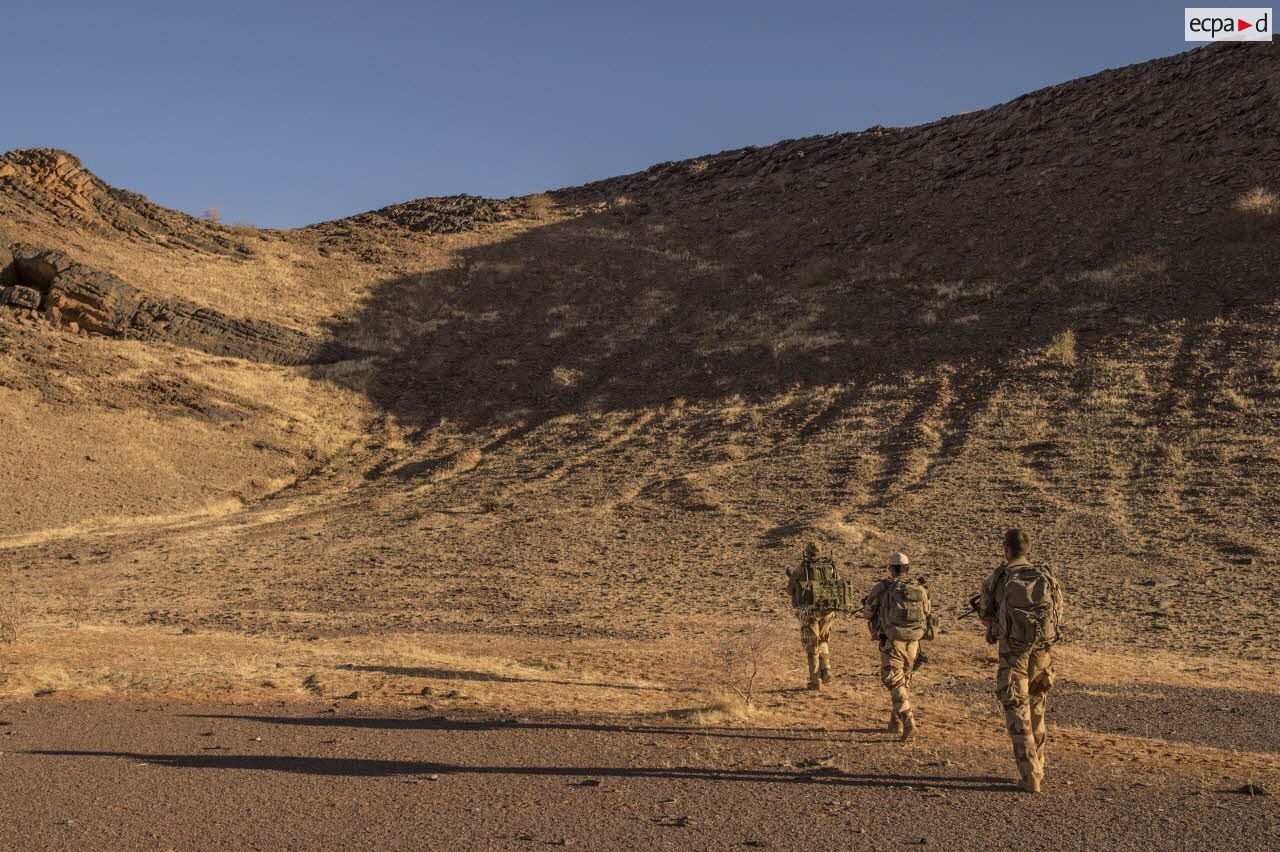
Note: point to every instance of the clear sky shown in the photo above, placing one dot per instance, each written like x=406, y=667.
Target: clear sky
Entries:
x=285, y=113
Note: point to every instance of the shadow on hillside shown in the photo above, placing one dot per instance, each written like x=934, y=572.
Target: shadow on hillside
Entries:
x=601, y=313
x=363, y=768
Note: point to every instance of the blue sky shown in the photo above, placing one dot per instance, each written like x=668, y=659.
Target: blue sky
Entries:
x=286, y=113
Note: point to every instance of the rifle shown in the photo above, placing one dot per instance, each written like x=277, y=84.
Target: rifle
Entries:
x=975, y=607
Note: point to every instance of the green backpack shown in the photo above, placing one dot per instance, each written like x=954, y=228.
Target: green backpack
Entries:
x=819, y=587
x=1029, y=608
x=902, y=615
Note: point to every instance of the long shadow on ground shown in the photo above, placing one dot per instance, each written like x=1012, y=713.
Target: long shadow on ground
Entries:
x=443, y=723
x=373, y=768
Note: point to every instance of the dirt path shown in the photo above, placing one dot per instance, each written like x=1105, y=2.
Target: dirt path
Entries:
x=108, y=775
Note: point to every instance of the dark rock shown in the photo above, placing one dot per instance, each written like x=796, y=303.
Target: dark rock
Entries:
x=37, y=267
x=101, y=303
x=20, y=297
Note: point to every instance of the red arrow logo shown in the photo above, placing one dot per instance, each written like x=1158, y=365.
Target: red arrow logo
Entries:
x=1244, y=25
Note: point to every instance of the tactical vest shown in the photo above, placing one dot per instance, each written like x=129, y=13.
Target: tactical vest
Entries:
x=902, y=615
x=1028, y=614
x=818, y=587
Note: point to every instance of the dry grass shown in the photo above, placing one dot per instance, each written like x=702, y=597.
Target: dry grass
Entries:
x=1257, y=213
x=539, y=206
x=1260, y=202
x=1062, y=348
x=566, y=377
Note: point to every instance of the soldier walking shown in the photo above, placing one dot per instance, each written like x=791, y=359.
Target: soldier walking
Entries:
x=815, y=620
x=899, y=616
x=1021, y=605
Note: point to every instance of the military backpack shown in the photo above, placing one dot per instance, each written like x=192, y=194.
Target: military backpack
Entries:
x=902, y=615
x=1029, y=605
x=818, y=586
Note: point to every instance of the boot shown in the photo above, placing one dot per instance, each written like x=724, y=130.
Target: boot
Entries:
x=895, y=724
x=815, y=681
x=1030, y=785
x=908, y=725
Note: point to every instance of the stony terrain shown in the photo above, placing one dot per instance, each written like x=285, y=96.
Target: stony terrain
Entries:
x=550, y=454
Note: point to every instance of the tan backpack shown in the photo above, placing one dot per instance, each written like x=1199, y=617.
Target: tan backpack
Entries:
x=1029, y=608
x=902, y=615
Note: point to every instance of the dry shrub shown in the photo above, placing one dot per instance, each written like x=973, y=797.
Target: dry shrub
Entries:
x=15, y=615
x=212, y=214
x=566, y=377
x=1258, y=201
x=539, y=206
x=697, y=167
x=739, y=662
x=1062, y=348
x=1258, y=212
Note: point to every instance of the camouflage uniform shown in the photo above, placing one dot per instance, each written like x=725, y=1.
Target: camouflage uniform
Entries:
x=1023, y=679
x=815, y=633
x=897, y=658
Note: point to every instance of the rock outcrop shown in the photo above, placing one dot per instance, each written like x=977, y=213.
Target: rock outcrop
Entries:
x=82, y=297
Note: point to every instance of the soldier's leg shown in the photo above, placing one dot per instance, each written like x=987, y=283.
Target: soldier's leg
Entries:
x=1012, y=690
x=908, y=652
x=809, y=636
x=886, y=677
x=823, y=631
x=1039, y=682
x=894, y=664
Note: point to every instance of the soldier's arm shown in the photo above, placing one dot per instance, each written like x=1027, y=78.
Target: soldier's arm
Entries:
x=871, y=603
x=987, y=603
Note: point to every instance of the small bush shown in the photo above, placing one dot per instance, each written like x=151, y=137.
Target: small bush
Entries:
x=212, y=214
x=1258, y=201
x=1062, y=348
x=539, y=206
x=566, y=377
x=1257, y=212
x=697, y=167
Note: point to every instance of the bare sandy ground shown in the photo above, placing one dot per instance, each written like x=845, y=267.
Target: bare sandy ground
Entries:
x=108, y=775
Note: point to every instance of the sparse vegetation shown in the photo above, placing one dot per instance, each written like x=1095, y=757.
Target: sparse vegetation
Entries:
x=539, y=206
x=1259, y=202
x=212, y=214
x=566, y=377
x=1062, y=348
x=1257, y=213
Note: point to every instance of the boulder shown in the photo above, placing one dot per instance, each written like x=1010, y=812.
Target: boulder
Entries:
x=20, y=297
x=98, y=301
x=37, y=267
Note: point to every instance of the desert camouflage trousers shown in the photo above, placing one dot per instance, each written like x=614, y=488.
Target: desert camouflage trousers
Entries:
x=1022, y=682
x=815, y=632
x=897, y=659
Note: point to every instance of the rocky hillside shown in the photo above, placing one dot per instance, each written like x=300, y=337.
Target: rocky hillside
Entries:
x=1059, y=312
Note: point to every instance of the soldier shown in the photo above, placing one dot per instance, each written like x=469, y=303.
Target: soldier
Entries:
x=899, y=615
x=1021, y=605
x=815, y=624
